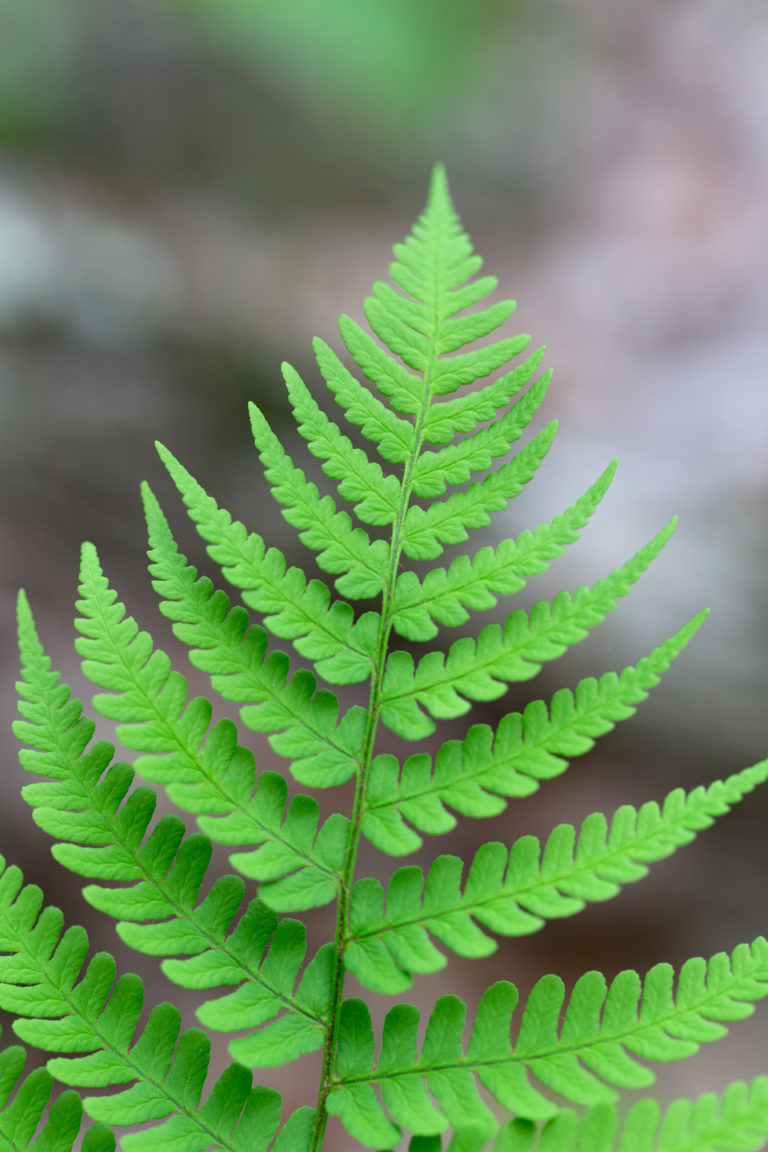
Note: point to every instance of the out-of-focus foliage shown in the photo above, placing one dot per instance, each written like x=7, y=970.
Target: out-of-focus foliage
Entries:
x=38, y=68
x=404, y=63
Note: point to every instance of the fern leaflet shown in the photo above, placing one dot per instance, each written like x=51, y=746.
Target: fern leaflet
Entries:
x=66, y=1005
x=474, y=775
x=513, y=892
x=582, y=1057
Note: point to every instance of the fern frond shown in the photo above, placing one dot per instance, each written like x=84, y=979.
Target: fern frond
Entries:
x=65, y=1004
x=433, y=266
x=258, y=1125
x=474, y=776
x=513, y=892
x=581, y=1056
x=302, y=723
x=425, y=530
x=481, y=669
x=374, y=495
x=23, y=1103
x=296, y=608
x=404, y=389
x=455, y=463
x=734, y=1121
x=446, y=596
x=447, y=418
x=106, y=836
x=393, y=437
x=345, y=550
x=420, y=325
x=202, y=764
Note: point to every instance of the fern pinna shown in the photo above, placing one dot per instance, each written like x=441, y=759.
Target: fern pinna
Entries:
x=543, y=1076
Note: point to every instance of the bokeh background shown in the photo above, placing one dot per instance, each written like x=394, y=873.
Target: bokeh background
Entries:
x=190, y=191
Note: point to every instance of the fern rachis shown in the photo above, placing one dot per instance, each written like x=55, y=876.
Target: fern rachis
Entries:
x=443, y=431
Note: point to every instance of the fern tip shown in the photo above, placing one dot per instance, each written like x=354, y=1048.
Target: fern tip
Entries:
x=165, y=454
x=439, y=192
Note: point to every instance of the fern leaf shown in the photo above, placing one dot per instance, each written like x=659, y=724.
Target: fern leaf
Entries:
x=405, y=390
x=151, y=701
x=474, y=775
x=454, y=464
x=107, y=838
x=421, y=326
x=734, y=1121
x=446, y=596
x=258, y=1126
x=374, y=495
x=65, y=1004
x=581, y=1056
x=23, y=1103
x=480, y=669
x=297, y=609
x=302, y=723
x=393, y=437
x=342, y=548
x=425, y=530
x=513, y=892
x=447, y=418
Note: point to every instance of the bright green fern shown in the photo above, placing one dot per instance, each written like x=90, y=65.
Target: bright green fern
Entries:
x=539, y=1076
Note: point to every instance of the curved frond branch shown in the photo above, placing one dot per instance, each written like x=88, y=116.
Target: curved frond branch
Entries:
x=103, y=832
x=735, y=1120
x=475, y=775
x=455, y=463
x=513, y=892
x=447, y=595
x=25, y=1102
x=443, y=685
x=581, y=1049
x=295, y=608
x=393, y=437
x=344, y=550
x=302, y=723
x=66, y=1003
x=374, y=495
x=448, y=418
x=426, y=530
x=201, y=763
x=405, y=390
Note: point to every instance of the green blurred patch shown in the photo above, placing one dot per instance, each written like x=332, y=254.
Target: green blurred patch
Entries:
x=391, y=64
x=39, y=52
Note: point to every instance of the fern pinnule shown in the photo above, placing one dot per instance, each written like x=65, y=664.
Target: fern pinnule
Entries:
x=582, y=1057
x=474, y=776
x=296, y=608
x=68, y=1004
x=732, y=1122
x=442, y=429
x=302, y=722
x=104, y=832
x=393, y=437
x=342, y=549
x=447, y=596
x=512, y=892
x=23, y=1104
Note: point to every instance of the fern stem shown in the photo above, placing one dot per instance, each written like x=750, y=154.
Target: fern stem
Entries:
x=374, y=706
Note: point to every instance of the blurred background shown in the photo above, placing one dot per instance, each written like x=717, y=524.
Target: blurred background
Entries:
x=190, y=191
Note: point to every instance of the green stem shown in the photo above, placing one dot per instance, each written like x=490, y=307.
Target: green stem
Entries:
x=361, y=785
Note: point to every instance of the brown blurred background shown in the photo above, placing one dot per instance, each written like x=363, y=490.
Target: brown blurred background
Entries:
x=190, y=191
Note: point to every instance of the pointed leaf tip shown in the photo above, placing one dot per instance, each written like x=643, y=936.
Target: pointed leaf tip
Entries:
x=165, y=454
x=438, y=188
x=89, y=554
